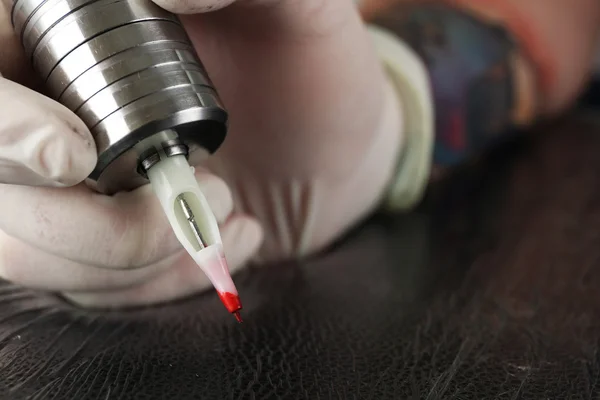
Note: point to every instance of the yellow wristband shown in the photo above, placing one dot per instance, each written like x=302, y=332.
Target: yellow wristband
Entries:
x=409, y=76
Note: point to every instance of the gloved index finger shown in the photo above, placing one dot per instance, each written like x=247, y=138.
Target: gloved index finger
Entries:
x=42, y=143
x=126, y=230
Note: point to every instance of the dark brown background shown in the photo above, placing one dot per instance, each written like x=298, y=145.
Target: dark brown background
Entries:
x=490, y=291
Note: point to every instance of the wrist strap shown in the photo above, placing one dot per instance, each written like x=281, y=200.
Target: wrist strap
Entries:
x=409, y=77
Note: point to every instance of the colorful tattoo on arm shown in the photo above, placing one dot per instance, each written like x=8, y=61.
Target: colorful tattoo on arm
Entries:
x=472, y=78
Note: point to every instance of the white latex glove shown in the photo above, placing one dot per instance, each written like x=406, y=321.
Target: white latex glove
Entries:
x=315, y=126
x=313, y=141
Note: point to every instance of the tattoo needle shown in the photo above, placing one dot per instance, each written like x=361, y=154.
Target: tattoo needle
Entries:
x=194, y=224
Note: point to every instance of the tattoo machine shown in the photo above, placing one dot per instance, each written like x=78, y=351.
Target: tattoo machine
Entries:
x=128, y=69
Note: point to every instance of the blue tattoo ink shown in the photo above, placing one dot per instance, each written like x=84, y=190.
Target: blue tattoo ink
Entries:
x=471, y=76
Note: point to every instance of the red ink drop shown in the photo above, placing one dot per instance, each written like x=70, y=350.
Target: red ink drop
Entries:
x=231, y=301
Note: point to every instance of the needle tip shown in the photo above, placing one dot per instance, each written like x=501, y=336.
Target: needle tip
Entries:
x=238, y=317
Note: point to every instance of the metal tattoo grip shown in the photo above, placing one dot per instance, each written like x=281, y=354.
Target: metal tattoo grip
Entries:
x=128, y=69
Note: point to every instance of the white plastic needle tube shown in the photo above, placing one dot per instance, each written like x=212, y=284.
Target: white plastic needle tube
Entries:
x=194, y=223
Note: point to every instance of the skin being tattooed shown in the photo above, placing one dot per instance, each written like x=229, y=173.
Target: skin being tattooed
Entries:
x=471, y=68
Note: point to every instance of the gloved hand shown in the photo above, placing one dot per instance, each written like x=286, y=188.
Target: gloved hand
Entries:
x=315, y=126
x=314, y=136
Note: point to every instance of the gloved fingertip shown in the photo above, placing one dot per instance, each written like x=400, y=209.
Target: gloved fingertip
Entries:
x=254, y=228
x=192, y=6
x=242, y=238
x=217, y=193
x=67, y=161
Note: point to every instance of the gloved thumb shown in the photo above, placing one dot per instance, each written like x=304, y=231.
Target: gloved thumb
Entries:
x=42, y=143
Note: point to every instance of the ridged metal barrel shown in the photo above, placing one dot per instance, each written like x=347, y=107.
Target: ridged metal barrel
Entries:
x=128, y=69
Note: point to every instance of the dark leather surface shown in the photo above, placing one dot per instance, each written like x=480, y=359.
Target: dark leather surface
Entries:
x=592, y=95
x=490, y=291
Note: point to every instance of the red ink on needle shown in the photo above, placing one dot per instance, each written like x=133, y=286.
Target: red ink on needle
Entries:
x=212, y=261
x=232, y=303
x=238, y=316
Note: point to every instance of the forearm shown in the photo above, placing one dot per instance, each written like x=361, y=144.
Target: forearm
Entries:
x=494, y=65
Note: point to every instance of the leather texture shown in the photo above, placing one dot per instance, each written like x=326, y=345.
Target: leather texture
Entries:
x=489, y=291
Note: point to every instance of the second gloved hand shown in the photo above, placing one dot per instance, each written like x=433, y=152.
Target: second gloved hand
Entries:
x=315, y=127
